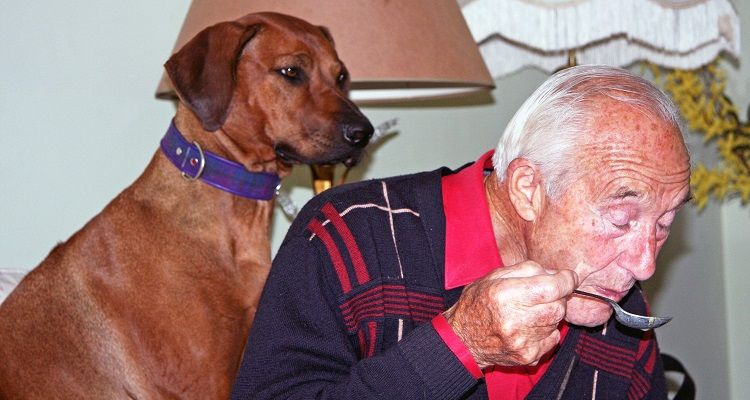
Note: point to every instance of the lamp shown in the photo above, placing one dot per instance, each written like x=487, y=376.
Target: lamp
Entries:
x=685, y=34
x=394, y=50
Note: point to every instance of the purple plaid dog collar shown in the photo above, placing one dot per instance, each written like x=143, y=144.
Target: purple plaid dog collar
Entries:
x=229, y=176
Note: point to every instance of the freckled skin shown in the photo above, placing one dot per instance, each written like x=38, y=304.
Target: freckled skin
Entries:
x=628, y=176
x=615, y=215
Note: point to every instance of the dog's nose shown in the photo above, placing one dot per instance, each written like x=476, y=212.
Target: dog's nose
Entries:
x=358, y=134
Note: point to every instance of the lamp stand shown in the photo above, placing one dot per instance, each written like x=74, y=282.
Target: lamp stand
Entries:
x=322, y=176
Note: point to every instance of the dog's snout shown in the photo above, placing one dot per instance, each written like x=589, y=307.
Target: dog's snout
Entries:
x=358, y=133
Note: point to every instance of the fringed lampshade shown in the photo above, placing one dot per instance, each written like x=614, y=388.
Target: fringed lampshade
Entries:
x=685, y=34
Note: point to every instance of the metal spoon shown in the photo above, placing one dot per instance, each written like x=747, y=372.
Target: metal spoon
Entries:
x=642, y=322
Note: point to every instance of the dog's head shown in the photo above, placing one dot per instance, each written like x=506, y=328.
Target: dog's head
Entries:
x=274, y=84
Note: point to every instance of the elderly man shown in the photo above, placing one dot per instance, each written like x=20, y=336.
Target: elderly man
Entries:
x=458, y=285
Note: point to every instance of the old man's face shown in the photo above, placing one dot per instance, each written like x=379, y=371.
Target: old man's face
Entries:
x=632, y=178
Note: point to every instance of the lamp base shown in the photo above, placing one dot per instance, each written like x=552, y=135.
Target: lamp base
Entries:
x=322, y=177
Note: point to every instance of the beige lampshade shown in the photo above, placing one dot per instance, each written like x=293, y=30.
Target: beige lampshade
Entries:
x=394, y=49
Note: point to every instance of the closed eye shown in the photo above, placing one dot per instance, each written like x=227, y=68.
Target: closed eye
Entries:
x=621, y=226
x=620, y=218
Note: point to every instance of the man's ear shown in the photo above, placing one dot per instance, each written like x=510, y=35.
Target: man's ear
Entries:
x=525, y=188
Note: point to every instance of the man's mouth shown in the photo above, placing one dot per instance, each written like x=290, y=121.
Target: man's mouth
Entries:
x=614, y=294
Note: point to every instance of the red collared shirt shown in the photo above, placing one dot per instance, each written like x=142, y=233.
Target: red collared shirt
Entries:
x=470, y=253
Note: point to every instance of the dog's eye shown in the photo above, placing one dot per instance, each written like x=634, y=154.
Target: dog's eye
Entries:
x=290, y=72
x=343, y=78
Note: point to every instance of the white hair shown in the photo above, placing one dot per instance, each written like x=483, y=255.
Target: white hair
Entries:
x=552, y=121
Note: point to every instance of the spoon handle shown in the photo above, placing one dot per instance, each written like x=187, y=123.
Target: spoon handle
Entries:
x=596, y=296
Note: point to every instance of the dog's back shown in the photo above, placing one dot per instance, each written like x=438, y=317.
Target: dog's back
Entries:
x=54, y=318
x=129, y=306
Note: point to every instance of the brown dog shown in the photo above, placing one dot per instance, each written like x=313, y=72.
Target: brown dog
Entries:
x=154, y=297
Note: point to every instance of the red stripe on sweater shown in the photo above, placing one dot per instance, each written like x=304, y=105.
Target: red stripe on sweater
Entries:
x=613, y=358
x=643, y=344
x=594, y=356
x=370, y=297
x=338, y=262
x=350, y=308
x=362, y=343
x=380, y=309
x=402, y=288
x=609, y=349
x=651, y=361
x=392, y=290
x=639, y=386
x=647, y=347
x=360, y=269
x=381, y=292
x=391, y=304
x=403, y=299
x=373, y=338
x=379, y=314
x=395, y=290
x=392, y=300
x=604, y=365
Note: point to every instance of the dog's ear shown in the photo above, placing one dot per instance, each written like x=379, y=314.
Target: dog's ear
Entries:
x=203, y=70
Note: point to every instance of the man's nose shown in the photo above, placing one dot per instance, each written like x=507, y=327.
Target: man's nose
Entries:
x=640, y=258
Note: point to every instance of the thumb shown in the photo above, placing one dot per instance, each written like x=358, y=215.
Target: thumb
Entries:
x=583, y=270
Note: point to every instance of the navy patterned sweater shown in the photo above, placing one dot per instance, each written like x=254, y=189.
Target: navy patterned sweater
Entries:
x=346, y=309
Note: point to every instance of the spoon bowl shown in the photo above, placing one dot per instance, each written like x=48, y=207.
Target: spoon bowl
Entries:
x=642, y=322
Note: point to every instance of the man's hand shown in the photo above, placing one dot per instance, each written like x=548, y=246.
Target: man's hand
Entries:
x=510, y=316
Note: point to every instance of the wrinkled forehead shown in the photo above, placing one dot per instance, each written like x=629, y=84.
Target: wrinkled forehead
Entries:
x=616, y=130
